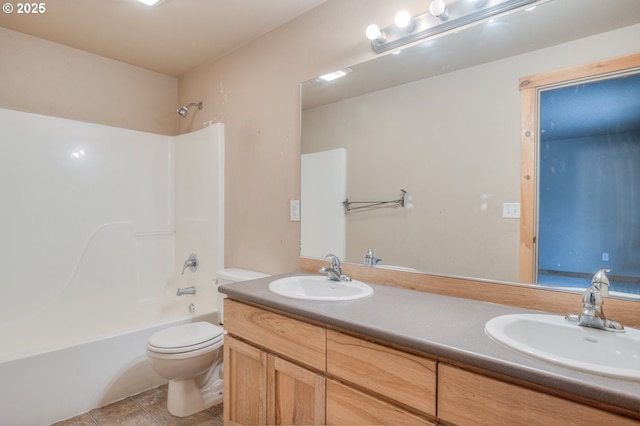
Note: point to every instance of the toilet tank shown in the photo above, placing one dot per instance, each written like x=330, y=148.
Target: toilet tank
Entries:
x=233, y=275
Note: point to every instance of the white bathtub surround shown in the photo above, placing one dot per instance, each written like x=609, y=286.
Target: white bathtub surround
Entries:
x=91, y=241
x=199, y=210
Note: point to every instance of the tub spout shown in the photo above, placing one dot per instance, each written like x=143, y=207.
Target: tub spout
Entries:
x=186, y=290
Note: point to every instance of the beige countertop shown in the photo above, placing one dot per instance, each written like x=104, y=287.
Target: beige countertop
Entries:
x=447, y=327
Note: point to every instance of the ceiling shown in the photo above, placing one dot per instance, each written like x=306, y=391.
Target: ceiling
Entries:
x=171, y=38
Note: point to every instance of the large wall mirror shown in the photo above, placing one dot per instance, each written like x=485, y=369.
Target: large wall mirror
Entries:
x=442, y=121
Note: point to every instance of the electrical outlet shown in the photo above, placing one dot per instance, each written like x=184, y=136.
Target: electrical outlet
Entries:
x=605, y=257
x=294, y=210
x=511, y=210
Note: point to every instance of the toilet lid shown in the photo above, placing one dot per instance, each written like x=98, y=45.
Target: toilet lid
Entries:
x=185, y=337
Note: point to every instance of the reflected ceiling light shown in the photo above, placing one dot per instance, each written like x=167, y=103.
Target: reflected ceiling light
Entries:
x=335, y=75
x=78, y=154
x=439, y=18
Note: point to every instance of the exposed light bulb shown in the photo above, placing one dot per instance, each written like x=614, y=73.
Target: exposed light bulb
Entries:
x=439, y=9
x=403, y=19
x=374, y=32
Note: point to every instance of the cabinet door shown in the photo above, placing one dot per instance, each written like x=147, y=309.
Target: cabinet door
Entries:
x=245, y=383
x=466, y=398
x=296, y=395
x=347, y=406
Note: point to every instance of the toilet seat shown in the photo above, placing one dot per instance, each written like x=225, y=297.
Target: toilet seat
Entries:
x=185, y=338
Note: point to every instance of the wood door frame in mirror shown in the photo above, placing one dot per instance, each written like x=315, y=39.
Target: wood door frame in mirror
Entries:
x=529, y=89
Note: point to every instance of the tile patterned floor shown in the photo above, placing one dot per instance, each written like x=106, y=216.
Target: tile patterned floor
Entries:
x=148, y=408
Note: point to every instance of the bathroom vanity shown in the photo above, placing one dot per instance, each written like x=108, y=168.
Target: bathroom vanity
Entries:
x=397, y=357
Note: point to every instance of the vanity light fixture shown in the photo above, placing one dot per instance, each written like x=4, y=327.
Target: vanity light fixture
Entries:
x=443, y=15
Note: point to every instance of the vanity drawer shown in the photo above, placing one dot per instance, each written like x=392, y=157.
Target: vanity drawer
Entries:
x=402, y=377
x=296, y=340
x=466, y=398
x=347, y=406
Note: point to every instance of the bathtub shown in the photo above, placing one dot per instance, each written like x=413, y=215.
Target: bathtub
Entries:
x=85, y=346
x=54, y=376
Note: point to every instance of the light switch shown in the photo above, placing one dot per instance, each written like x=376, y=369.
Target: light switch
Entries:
x=294, y=210
x=511, y=210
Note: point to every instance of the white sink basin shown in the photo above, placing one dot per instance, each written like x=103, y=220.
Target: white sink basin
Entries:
x=551, y=338
x=319, y=288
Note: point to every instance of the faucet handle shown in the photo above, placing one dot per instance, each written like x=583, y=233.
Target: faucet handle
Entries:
x=601, y=281
x=335, y=261
x=335, y=271
x=191, y=263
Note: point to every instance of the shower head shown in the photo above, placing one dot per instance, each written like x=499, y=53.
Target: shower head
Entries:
x=185, y=109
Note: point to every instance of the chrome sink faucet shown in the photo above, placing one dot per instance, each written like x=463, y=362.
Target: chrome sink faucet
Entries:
x=592, y=314
x=334, y=272
x=370, y=259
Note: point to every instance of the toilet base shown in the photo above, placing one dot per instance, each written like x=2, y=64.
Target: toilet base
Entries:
x=185, y=398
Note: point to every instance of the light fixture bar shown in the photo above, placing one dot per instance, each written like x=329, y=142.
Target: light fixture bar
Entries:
x=426, y=25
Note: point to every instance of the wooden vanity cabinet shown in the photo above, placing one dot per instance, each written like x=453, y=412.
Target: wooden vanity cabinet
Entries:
x=467, y=398
x=380, y=384
x=281, y=370
x=261, y=386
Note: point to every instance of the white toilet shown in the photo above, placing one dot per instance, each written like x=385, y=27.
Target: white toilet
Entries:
x=190, y=357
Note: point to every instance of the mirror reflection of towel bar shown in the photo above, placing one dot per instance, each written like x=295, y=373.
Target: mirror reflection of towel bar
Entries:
x=371, y=204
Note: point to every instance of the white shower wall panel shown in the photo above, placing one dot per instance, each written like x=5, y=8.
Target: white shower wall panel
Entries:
x=76, y=197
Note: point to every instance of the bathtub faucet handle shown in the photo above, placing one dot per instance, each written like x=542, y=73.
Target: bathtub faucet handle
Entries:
x=191, y=263
x=186, y=290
